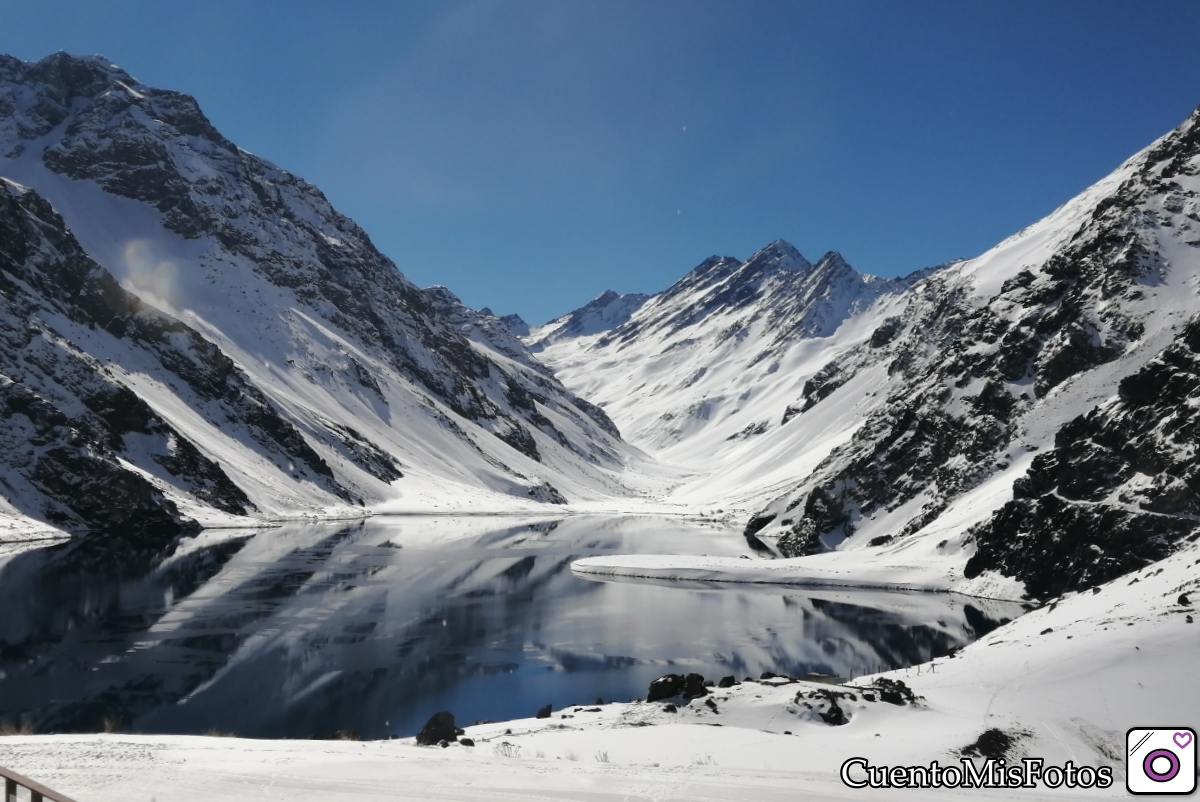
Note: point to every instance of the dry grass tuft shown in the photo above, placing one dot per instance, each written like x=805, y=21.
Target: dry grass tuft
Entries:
x=215, y=733
x=24, y=727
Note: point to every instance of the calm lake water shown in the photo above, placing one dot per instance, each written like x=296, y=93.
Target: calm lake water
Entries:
x=375, y=626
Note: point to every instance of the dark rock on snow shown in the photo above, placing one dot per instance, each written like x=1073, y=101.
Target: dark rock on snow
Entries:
x=440, y=728
x=671, y=686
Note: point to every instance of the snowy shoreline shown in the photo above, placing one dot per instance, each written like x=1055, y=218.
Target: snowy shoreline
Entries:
x=726, y=570
x=1062, y=683
x=840, y=570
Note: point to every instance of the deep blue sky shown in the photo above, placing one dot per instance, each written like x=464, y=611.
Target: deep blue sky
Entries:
x=530, y=154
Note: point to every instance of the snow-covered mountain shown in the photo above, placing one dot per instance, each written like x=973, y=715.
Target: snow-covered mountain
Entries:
x=1031, y=411
x=1047, y=343
x=694, y=373
x=200, y=332
x=199, y=336
x=606, y=311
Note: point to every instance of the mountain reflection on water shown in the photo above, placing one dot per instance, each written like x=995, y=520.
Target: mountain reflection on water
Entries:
x=372, y=627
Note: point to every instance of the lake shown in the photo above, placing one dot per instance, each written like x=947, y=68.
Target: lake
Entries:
x=374, y=626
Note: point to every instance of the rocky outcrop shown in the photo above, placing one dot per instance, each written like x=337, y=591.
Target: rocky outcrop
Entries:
x=83, y=450
x=966, y=373
x=439, y=729
x=1119, y=489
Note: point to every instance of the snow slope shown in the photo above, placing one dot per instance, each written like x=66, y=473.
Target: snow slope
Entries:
x=379, y=380
x=692, y=372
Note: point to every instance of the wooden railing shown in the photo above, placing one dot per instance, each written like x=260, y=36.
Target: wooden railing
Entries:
x=37, y=791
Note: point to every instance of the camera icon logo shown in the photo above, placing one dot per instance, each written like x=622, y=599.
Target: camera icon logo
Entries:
x=1160, y=760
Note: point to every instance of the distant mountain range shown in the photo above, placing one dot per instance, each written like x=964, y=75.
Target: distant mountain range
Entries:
x=693, y=361
x=193, y=336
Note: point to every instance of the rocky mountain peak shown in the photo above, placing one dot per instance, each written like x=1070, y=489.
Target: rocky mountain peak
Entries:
x=711, y=269
x=780, y=254
x=69, y=76
x=832, y=262
x=728, y=280
x=443, y=298
x=516, y=324
x=605, y=312
x=37, y=97
x=604, y=299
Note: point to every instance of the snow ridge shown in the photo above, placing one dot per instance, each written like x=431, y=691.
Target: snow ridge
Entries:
x=685, y=371
x=603, y=313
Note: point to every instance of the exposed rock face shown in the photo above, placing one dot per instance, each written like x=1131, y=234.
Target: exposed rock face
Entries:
x=71, y=425
x=968, y=375
x=1119, y=489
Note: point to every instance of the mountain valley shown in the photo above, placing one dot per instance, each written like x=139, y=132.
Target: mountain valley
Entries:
x=256, y=483
x=199, y=337
x=965, y=413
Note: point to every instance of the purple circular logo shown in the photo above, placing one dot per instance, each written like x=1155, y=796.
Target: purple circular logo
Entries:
x=1165, y=776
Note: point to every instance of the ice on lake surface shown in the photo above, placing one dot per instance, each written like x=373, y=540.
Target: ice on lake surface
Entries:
x=373, y=626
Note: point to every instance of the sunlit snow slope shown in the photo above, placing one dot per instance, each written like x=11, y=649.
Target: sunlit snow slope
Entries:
x=706, y=373
x=387, y=395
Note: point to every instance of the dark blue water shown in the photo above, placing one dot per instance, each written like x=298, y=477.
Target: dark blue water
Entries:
x=372, y=627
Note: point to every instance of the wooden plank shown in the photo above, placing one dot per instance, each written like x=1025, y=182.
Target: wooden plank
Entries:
x=38, y=792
